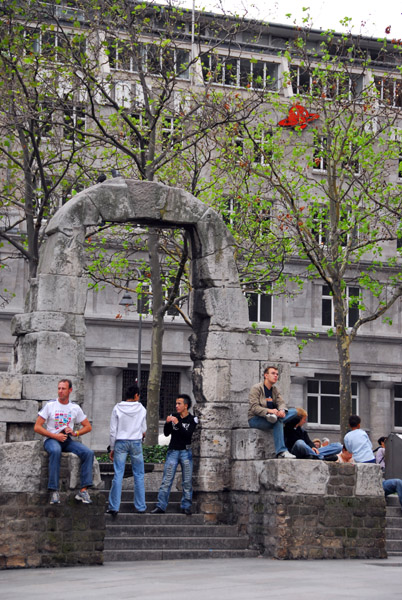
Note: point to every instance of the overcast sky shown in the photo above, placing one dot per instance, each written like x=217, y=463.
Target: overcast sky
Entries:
x=369, y=17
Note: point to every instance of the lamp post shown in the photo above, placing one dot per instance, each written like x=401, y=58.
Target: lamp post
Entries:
x=127, y=300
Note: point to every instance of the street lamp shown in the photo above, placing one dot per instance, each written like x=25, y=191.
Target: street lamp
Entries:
x=127, y=300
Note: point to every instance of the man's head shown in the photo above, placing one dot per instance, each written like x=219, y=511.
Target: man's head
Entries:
x=354, y=421
x=317, y=443
x=132, y=393
x=381, y=441
x=270, y=376
x=64, y=389
x=183, y=404
x=302, y=414
x=325, y=442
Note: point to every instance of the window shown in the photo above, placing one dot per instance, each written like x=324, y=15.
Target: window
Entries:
x=320, y=153
x=331, y=85
x=240, y=72
x=301, y=80
x=124, y=56
x=398, y=406
x=170, y=389
x=74, y=123
x=323, y=401
x=229, y=210
x=259, y=307
x=327, y=307
x=389, y=91
x=57, y=46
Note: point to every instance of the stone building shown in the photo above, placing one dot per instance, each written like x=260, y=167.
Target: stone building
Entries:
x=111, y=348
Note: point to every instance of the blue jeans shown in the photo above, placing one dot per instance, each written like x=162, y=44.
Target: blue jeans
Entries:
x=301, y=450
x=173, y=459
x=277, y=428
x=391, y=486
x=134, y=449
x=54, y=448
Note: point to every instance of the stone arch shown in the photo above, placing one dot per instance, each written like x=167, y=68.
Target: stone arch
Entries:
x=51, y=334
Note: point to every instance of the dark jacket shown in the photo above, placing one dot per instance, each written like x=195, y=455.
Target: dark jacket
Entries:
x=293, y=433
x=181, y=433
x=257, y=406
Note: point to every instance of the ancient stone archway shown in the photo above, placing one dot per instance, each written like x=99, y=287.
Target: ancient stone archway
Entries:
x=227, y=359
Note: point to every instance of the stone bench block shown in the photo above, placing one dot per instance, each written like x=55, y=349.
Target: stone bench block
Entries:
x=369, y=480
x=245, y=475
x=10, y=386
x=252, y=444
x=212, y=475
x=22, y=411
x=295, y=476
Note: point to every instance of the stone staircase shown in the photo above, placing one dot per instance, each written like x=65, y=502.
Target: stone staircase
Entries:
x=132, y=537
x=394, y=526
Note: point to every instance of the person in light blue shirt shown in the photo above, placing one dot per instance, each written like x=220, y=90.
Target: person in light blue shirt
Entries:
x=358, y=442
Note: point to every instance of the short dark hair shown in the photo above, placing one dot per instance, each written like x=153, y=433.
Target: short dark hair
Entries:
x=70, y=384
x=131, y=392
x=354, y=420
x=270, y=367
x=186, y=398
x=382, y=439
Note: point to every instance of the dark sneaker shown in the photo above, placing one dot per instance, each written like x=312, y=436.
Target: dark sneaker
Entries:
x=114, y=513
x=186, y=511
x=83, y=497
x=157, y=511
x=331, y=457
x=54, y=497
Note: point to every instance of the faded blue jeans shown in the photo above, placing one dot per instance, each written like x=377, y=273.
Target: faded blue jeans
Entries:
x=173, y=459
x=121, y=449
x=392, y=486
x=54, y=448
x=277, y=428
x=301, y=450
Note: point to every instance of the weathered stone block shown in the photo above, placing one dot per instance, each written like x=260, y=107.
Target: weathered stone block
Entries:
x=64, y=254
x=369, y=480
x=44, y=387
x=48, y=353
x=20, y=467
x=245, y=475
x=74, y=465
x=61, y=293
x=225, y=307
x=214, y=443
x=214, y=416
x=239, y=415
x=48, y=321
x=295, y=476
x=10, y=386
x=23, y=411
x=212, y=475
x=252, y=444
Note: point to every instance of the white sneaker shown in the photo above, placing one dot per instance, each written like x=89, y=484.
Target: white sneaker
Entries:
x=54, y=497
x=285, y=454
x=271, y=418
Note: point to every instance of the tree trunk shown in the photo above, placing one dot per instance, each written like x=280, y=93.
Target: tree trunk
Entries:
x=155, y=369
x=345, y=375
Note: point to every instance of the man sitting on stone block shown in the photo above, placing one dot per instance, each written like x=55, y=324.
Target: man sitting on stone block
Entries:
x=358, y=442
x=267, y=410
x=393, y=486
x=299, y=443
x=60, y=417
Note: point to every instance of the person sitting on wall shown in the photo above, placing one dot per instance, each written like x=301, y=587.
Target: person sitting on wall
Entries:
x=181, y=426
x=267, y=410
x=299, y=443
x=380, y=452
x=317, y=443
x=358, y=443
x=60, y=417
x=325, y=442
x=393, y=486
x=345, y=456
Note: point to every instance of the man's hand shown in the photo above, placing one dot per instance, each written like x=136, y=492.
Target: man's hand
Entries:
x=111, y=455
x=172, y=419
x=315, y=450
x=60, y=437
x=281, y=414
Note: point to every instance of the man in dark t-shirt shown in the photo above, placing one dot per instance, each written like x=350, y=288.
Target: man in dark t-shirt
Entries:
x=180, y=425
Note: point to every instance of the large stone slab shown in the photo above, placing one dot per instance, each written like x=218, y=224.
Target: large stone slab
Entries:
x=212, y=475
x=10, y=386
x=47, y=352
x=44, y=387
x=20, y=466
x=214, y=443
x=74, y=465
x=48, y=321
x=62, y=293
x=295, y=476
x=252, y=444
x=245, y=475
x=225, y=307
x=23, y=411
x=369, y=480
x=65, y=255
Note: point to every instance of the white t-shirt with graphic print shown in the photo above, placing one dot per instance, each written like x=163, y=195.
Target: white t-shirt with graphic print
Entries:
x=58, y=416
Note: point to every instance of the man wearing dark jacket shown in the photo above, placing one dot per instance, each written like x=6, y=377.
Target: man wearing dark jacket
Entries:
x=299, y=443
x=180, y=426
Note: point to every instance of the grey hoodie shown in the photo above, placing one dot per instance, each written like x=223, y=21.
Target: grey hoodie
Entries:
x=128, y=422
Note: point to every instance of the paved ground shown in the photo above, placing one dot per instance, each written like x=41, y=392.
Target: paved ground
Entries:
x=235, y=579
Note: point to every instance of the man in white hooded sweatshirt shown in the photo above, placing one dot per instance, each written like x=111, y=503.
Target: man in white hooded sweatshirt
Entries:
x=128, y=425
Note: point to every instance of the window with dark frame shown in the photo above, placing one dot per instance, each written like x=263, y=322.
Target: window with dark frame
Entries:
x=327, y=307
x=323, y=406
x=398, y=406
x=259, y=307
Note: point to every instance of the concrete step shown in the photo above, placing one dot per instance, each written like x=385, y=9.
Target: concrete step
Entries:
x=176, y=543
x=394, y=511
x=137, y=555
x=148, y=519
x=393, y=533
x=394, y=522
x=393, y=500
x=393, y=546
x=186, y=530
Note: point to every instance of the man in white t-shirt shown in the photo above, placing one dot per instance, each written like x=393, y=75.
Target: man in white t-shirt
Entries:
x=60, y=417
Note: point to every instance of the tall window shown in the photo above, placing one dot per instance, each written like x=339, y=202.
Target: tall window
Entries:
x=389, y=91
x=319, y=154
x=240, y=72
x=327, y=307
x=74, y=123
x=398, y=406
x=259, y=307
x=323, y=401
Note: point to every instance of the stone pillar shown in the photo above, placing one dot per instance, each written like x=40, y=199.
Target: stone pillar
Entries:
x=104, y=394
x=298, y=386
x=380, y=408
